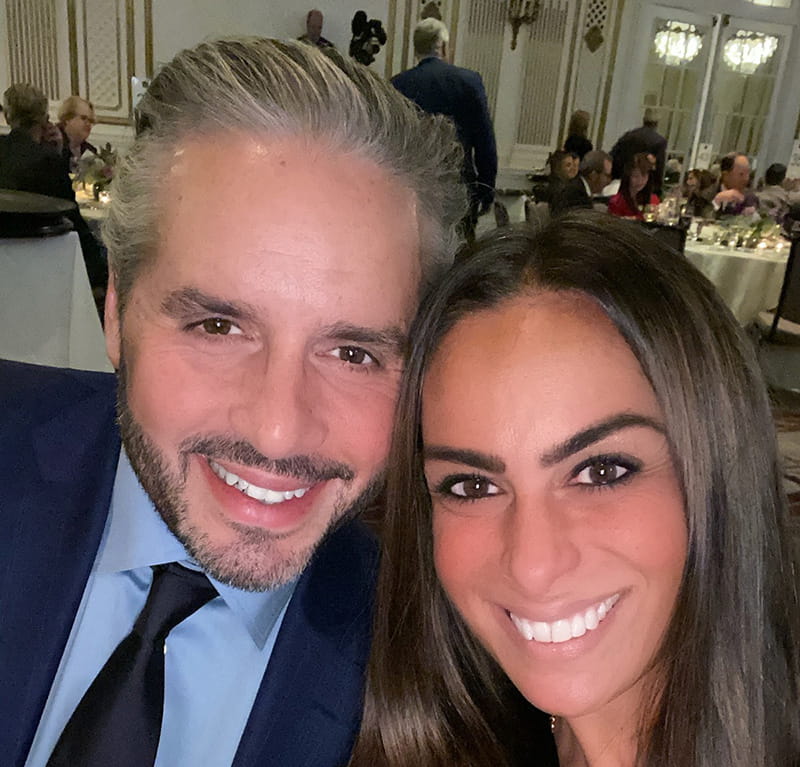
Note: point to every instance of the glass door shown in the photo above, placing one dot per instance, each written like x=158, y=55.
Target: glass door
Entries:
x=743, y=88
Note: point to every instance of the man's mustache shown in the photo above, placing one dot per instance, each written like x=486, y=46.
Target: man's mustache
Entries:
x=309, y=468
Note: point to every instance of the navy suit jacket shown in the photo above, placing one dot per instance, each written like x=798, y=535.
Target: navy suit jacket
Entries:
x=437, y=87
x=58, y=458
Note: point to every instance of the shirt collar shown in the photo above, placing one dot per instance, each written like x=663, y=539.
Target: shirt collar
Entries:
x=586, y=185
x=136, y=536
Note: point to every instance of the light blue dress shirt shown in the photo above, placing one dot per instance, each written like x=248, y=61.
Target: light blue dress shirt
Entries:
x=215, y=659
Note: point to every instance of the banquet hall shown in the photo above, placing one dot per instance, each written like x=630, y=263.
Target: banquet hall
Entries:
x=720, y=76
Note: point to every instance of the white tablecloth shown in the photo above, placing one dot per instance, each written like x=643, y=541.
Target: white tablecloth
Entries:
x=749, y=281
x=47, y=313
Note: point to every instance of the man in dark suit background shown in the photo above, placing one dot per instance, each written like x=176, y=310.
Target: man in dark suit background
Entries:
x=32, y=160
x=438, y=87
x=594, y=173
x=258, y=334
x=642, y=140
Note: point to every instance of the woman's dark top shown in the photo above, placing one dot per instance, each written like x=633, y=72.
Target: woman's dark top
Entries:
x=578, y=145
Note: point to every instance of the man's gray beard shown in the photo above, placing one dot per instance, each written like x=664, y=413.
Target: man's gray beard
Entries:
x=253, y=561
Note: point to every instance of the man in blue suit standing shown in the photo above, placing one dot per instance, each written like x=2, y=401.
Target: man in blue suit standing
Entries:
x=183, y=580
x=438, y=87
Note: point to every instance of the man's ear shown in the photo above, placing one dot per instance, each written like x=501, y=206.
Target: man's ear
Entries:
x=112, y=323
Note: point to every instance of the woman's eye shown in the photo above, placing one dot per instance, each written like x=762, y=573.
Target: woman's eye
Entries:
x=218, y=326
x=469, y=487
x=601, y=471
x=354, y=355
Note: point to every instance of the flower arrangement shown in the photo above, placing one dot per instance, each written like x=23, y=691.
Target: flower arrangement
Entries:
x=96, y=169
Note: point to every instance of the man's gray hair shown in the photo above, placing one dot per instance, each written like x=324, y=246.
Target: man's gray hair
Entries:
x=427, y=36
x=278, y=89
x=25, y=106
x=594, y=161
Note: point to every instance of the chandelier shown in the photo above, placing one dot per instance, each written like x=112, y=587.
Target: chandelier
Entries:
x=678, y=43
x=747, y=51
x=521, y=12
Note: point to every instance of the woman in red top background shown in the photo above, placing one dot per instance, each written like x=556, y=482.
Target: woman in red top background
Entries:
x=635, y=189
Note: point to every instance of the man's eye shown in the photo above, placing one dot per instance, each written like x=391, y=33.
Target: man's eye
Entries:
x=470, y=488
x=354, y=355
x=602, y=471
x=217, y=326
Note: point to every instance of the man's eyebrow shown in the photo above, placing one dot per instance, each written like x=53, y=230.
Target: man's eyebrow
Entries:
x=184, y=301
x=473, y=458
x=595, y=433
x=393, y=338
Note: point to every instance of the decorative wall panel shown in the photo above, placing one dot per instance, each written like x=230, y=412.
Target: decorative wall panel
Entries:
x=103, y=22
x=482, y=41
x=541, y=99
x=32, y=44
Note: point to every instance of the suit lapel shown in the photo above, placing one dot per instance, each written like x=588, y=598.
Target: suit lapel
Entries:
x=56, y=491
x=308, y=708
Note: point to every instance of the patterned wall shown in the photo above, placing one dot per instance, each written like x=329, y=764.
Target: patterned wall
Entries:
x=483, y=43
x=103, y=49
x=32, y=44
x=541, y=100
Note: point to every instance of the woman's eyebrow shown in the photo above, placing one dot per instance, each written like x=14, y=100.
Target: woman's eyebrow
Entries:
x=473, y=458
x=596, y=432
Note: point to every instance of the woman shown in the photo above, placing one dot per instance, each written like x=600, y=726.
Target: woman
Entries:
x=585, y=453
x=577, y=141
x=635, y=189
x=699, y=190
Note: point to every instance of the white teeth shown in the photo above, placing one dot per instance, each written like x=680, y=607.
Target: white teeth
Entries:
x=262, y=494
x=566, y=628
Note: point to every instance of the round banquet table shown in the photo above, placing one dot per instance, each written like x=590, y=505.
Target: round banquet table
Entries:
x=748, y=280
x=47, y=313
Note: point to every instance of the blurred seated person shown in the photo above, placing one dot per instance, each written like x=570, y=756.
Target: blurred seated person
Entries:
x=773, y=199
x=698, y=189
x=32, y=160
x=635, y=189
x=732, y=197
x=577, y=141
x=313, y=35
x=563, y=167
x=75, y=119
x=594, y=172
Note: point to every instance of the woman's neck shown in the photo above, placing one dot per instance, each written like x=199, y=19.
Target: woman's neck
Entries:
x=603, y=739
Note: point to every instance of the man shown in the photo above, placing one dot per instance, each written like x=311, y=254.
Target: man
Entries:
x=32, y=160
x=438, y=87
x=593, y=175
x=733, y=198
x=75, y=119
x=642, y=140
x=773, y=199
x=313, y=35
x=258, y=335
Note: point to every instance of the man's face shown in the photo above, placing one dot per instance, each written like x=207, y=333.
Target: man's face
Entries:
x=261, y=350
x=314, y=27
x=598, y=181
x=79, y=126
x=739, y=176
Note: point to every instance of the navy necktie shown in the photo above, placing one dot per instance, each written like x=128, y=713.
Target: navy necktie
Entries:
x=118, y=721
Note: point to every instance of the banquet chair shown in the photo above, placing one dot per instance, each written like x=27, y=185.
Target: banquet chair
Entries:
x=537, y=214
x=777, y=334
x=782, y=324
x=671, y=235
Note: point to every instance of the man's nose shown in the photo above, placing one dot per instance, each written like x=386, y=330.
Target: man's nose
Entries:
x=281, y=407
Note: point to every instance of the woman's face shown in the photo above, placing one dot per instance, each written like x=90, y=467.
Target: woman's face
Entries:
x=558, y=521
x=638, y=181
x=692, y=182
x=569, y=167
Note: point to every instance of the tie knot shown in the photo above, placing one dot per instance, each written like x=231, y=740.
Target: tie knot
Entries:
x=176, y=592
